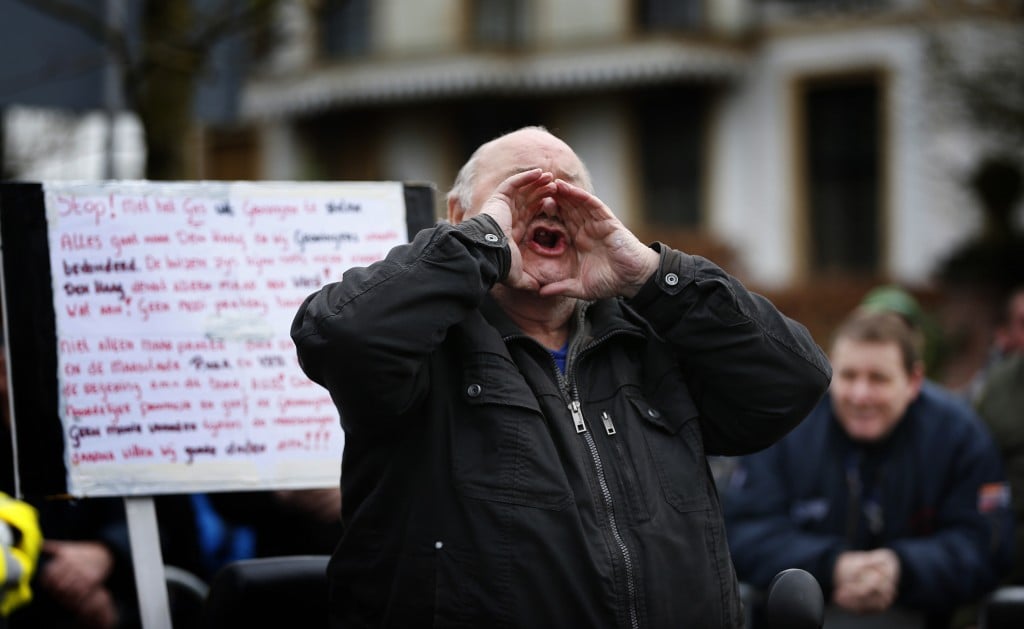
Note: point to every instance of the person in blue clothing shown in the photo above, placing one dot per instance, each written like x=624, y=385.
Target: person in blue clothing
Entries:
x=891, y=493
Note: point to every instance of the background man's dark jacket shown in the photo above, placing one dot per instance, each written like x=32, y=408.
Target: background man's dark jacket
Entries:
x=937, y=483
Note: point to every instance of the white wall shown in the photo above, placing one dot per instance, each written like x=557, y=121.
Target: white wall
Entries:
x=281, y=152
x=402, y=27
x=597, y=132
x=751, y=209
x=754, y=204
x=42, y=144
x=559, y=21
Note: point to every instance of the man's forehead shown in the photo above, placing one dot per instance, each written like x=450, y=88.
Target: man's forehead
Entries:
x=570, y=175
x=848, y=347
x=528, y=149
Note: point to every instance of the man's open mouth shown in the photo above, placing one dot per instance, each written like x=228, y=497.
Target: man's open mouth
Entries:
x=547, y=240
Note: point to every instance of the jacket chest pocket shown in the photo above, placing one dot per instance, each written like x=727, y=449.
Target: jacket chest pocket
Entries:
x=677, y=452
x=501, y=448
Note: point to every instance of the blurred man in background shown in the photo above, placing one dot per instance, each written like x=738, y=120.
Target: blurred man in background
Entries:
x=891, y=493
x=999, y=400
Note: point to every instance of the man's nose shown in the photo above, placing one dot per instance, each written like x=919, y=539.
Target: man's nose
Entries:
x=860, y=389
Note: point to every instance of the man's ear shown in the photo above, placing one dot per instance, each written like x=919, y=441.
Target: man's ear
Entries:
x=917, y=376
x=1002, y=338
x=455, y=211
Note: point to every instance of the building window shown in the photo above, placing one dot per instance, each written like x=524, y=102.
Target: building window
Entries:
x=499, y=23
x=485, y=119
x=809, y=8
x=670, y=15
x=842, y=157
x=345, y=28
x=670, y=124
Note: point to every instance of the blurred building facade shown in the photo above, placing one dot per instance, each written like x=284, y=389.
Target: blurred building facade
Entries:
x=805, y=138
x=815, y=148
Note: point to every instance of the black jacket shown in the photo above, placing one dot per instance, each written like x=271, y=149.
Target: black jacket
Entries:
x=483, y=488
x=936, y=484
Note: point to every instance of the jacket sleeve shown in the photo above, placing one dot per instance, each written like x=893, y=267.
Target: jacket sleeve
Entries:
x=764, y=539
x=967, y=553
x=367, y=337
x=754, y=373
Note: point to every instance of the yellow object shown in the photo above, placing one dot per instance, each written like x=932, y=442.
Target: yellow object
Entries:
x=20, y=552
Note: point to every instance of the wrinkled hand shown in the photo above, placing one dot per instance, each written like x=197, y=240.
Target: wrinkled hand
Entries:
x=513, y=203
x=75, y=577
x=612, y=261
x=866, y=581
x=76, y=566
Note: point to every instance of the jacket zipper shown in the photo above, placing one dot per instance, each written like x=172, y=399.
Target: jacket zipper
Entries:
x=627, y=559
x=609, y=427
x=571, y=388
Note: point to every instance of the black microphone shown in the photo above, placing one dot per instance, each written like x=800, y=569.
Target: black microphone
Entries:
x=794, y=601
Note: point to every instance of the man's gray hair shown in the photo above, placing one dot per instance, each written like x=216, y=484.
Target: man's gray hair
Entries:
x=462, y=189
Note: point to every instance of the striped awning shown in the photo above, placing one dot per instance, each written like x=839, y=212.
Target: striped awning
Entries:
x=543, y=72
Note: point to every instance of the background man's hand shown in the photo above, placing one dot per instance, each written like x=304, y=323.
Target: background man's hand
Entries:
x=75, y=576
x=866, y=581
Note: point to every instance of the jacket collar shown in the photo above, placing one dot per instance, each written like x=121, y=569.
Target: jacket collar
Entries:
x=603, y=317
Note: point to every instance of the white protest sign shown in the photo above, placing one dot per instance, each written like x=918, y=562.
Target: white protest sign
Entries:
x=176, y=371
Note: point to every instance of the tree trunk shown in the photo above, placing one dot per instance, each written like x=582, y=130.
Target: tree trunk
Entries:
x=164, y=99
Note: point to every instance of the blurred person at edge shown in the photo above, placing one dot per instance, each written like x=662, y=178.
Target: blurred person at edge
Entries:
x=276, y=523
x=20, y=539
x=999, y=400
x=1010, y=331
x=891, y=492
x=998, y=395
x=1007, y=340
x=528, y=393
x=83, y=576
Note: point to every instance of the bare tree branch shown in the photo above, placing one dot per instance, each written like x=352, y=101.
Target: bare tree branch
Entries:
x=229, y=18
x=161, y=59
x=88, y=22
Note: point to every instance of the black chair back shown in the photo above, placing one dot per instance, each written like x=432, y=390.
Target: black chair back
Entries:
x=269, y=592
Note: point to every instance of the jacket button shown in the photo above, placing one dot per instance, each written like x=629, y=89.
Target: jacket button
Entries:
x=474, y=390
x=671, y=279
x=491, y=238
x=653, y=412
